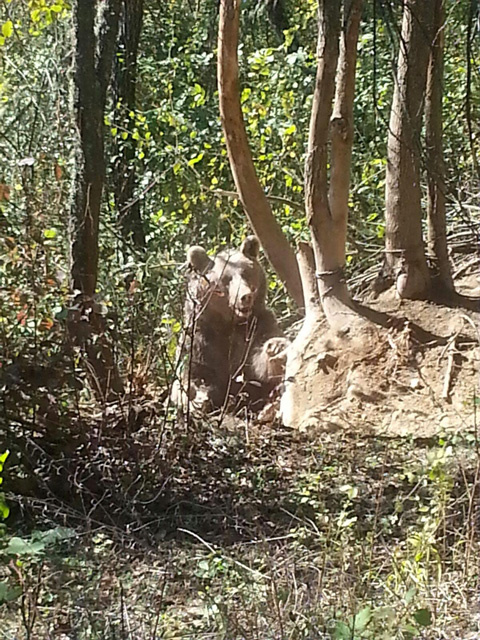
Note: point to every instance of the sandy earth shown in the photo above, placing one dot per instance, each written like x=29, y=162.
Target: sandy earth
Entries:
x=399, y=381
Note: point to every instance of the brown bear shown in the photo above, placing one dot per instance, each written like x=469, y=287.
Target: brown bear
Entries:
x=233, y=345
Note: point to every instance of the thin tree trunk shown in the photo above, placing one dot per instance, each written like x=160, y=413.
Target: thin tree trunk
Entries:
x=124, y=173
x=278, y=17
x=307, y=266
x=93, y=66
x=327, y=213
x=90, y=165
x=327, y=208
x=405, y=259
x=436, y=215
x=342, y=121
x=92, y=76
x=276, y=246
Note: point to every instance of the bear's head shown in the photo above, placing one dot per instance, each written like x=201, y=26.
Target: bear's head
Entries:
x=233, y=283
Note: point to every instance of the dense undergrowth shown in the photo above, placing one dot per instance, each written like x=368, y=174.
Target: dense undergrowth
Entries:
x=241, y=531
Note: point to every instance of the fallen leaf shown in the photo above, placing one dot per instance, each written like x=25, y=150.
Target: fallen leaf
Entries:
x=4, y=192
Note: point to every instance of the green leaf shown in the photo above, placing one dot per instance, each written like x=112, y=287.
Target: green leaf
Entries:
x=411, y=593
x=8, y=593
x=50, y=233
x=21, y=547
x=362, y=618
x=342, y=631
x=423, y=617
x=4, y=508
x=409, y=631
x=3, y=457
x=62, y=314
x=196, y=159
x=7, y=28
x=53, y=535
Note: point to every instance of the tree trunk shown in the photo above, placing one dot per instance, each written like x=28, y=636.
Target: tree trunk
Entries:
x=310, y=355
x=300, y=394
x=124, y=174
x=277, y=16
x=92, y=76
x=327, y=208
x=436, y=216
x=93, y=65
x=405, y=259
x=90, y=164
x=276, y=246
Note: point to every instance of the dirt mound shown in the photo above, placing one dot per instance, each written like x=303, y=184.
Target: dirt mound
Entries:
x=419, y=377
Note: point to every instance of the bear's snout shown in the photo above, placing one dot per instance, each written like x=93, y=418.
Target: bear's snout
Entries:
x=244, y=299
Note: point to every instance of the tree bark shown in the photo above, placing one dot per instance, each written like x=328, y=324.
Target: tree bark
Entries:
x=436, y=215
x=92, y=76
x=405, y=257
x=276, y=246
x=326, y=203
x=93, y=66
x=90, y=168
x=125, y=102
x=327, y=207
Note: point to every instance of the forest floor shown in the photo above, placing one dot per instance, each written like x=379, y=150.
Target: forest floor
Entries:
x=365, y=527
x=436, y=390
x=419, y=377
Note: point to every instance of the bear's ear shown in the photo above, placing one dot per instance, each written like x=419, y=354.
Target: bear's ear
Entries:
x=250, y=247
x=198, y=259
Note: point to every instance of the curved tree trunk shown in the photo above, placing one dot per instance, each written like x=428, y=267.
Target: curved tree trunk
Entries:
x=276, y=246
x=405, y=259
x=436, y=216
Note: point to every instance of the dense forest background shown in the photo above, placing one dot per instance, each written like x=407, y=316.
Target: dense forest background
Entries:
x=121, y=521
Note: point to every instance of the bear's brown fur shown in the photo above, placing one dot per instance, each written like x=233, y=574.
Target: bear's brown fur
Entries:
x=234, y=347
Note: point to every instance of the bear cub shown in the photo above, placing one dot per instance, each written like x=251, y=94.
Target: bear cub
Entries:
x=234, y=348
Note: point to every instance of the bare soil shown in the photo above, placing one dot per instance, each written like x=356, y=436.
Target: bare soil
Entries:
x=418, y=378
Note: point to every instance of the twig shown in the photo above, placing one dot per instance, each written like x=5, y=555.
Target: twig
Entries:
x=464, y=267
x=448, y=374
x=233, y=194
x=213, y=550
